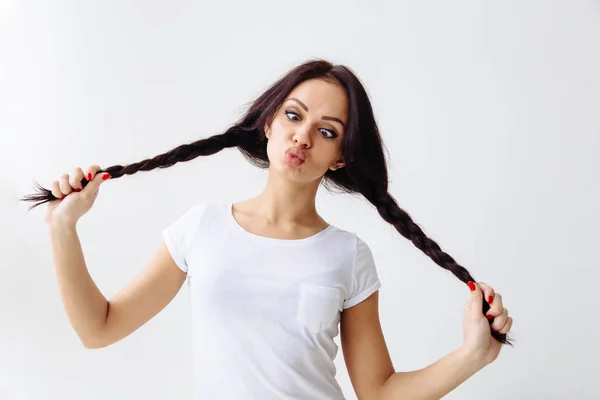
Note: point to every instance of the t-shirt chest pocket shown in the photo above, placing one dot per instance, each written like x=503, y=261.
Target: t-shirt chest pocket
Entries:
x=318, y=307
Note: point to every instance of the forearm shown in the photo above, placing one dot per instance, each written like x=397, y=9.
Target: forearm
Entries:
x=84, y=304
x=432, y=382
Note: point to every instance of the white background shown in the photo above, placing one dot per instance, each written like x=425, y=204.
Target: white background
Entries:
x=490, y=112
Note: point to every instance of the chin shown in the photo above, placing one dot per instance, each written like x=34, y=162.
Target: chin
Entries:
x=297, y=174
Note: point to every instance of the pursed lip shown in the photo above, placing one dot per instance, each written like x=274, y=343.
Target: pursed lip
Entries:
x=296, y=152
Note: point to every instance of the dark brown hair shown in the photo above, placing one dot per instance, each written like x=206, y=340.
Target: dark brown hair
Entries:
x=365, y=170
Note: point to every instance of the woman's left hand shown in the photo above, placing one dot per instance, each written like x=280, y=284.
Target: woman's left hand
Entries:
x=477, y=339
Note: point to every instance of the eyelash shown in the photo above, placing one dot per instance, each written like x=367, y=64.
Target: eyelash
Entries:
x=334, y=135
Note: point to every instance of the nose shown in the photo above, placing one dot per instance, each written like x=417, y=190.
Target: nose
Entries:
x=302, y=137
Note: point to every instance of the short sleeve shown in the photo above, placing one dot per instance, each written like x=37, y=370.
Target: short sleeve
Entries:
x=179, y=234
x=365, y=280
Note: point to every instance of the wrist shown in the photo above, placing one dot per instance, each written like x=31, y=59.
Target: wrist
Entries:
x=62, y=224
x=471, y=359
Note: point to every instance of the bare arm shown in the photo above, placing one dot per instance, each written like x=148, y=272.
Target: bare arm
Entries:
x=99, y=322
x=85, y=305
x=144, y=297
x=370, y=367
x=432, y=382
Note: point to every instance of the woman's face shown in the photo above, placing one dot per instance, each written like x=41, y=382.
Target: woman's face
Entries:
x=312, y=118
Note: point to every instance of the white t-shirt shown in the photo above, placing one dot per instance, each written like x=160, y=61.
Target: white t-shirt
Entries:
x=266, y=311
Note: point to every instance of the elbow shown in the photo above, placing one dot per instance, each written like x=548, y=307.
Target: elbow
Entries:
x=96, y=339
x=92, y=345
x=93, y=342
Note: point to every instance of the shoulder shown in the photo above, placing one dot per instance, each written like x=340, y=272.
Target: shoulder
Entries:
x=192, y=216
x=361, y=249
x=200, y=208
x=354, y=243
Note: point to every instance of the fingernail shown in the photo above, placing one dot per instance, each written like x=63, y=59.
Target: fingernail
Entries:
x=472, y=286
x=89, y=176
x=490, y=299
x=78, y=190
x=489, y=316
x=105, y=177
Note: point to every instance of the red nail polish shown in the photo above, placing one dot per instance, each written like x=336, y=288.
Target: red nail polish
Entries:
x=490, y=299
x=489, y=316
x=89, y=176
x=105, y=177
x=472, y=286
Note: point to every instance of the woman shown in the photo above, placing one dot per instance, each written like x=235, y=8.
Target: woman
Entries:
x=270, y=279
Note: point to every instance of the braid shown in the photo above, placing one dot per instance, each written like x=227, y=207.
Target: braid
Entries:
x=401, y=220
x=246, y=139
x=365, y=170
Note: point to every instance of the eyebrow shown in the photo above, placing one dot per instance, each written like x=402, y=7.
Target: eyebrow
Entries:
x=325, y=117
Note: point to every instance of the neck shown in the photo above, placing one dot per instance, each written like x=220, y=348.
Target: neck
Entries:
x=284, y=201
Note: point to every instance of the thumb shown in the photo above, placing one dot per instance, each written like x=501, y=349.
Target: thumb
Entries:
x=97, y=181
x=475, y=301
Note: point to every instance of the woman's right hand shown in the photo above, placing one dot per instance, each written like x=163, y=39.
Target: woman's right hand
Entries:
x=73, y=202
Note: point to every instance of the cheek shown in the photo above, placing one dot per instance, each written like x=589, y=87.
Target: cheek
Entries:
x=279, y=127
x=280, y=134
x=275, y=148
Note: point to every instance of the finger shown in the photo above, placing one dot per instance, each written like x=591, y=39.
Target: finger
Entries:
x=500, y=320
x=488, y=292
x=91, y=172
x=64, y=185
x=497, y=305
x=76, y=178
x=507, y=327
x=473, y=305
x=475, y=289
x=56, y=190
x=98, y=180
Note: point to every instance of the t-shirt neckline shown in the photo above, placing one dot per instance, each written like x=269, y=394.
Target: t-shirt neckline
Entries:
x=253, y=236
